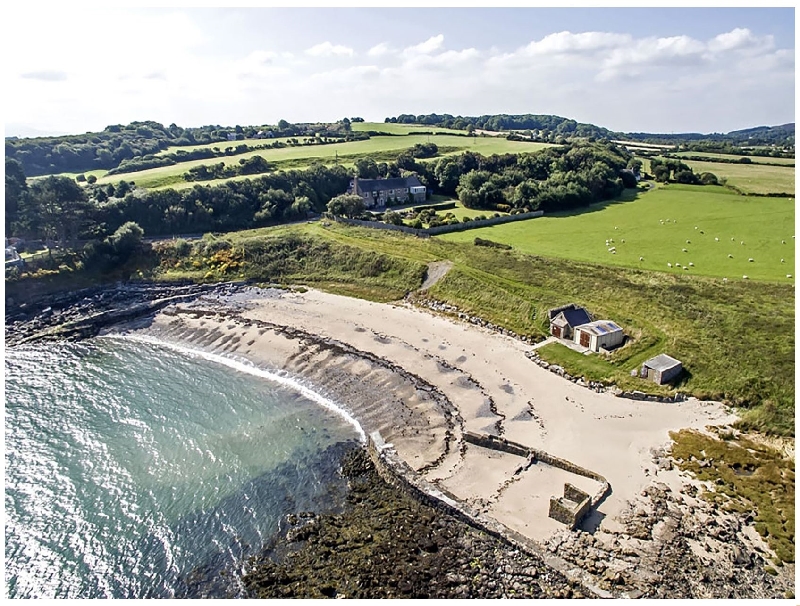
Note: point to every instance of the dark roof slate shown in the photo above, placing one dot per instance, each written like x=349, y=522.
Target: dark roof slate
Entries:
x=370, y=185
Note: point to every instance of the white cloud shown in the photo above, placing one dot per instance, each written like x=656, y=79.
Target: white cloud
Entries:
x=567, y=42
x=326, y=49
x=379, y=49
x=431, y=44
x=739, y=39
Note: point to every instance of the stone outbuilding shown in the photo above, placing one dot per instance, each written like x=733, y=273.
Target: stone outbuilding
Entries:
x=563, y=320
x=600, y=334
x=662, y=369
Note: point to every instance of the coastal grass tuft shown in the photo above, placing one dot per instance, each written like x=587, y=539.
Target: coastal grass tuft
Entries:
x=746, y=476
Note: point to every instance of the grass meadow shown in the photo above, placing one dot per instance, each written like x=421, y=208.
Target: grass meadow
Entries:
x=753, y=159
x=750, y=178
x=653, y=229
x=303, y=156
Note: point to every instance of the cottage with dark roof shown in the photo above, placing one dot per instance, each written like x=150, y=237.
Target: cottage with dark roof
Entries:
x=398, y=190
x=564, y=319
x=599, y=334
x=662, y=369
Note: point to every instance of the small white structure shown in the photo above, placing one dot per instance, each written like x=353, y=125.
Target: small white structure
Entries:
x=597, y=334
x=661, y=369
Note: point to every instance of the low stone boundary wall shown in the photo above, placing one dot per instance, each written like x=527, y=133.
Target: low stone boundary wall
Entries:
x=440, y=229
x=398, y=473
x=501, y=444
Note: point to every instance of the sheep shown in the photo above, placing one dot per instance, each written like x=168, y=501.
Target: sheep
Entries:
x=641, y=258
x=691, y=264
x=733, y=240
x=695, y=226
x=782, y=261
x=686, y=268
x=688, y=241
x=615, y=227
x=669, y=264
x=623, y=241
x=730, y=256
x=789, y=276
x=684, y=250
x=724, y=279
x=783, y=241
x=744, y=277
x=742, y=242
x=677, y=265
x=750, y=260
x=716, y=239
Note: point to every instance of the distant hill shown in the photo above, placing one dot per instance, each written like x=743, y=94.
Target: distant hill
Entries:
x=782, y=136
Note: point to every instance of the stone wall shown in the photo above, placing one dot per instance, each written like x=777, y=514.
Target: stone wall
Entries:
x=397, y=472
x=441, y=229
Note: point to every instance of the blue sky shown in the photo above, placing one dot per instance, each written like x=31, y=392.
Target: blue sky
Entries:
x=627, y=69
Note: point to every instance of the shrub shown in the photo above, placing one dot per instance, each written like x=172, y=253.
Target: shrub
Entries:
x=491, y=244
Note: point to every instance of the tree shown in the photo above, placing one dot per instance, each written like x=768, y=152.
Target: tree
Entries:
x=16, y=191
x=366, y=168
x=127, y=239
x=708, y=179
x=347, y=205
x=91, y=179
x=283, y=125
x=392, y=218
x=59, y=207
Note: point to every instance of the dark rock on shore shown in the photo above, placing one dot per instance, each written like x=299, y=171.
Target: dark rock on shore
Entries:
x=388, y=545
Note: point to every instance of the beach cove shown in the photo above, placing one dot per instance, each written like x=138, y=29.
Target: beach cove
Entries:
x=423, y=383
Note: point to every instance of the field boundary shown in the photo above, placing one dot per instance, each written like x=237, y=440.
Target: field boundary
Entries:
x=439, y=229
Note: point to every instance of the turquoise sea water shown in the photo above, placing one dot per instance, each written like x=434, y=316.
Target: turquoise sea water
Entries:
x=131, y=466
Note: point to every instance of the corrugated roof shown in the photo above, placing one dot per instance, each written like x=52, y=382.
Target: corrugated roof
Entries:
x=599, y=327
x=662, y=362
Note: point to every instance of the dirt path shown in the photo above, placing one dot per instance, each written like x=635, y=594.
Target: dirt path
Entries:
x=436, y=271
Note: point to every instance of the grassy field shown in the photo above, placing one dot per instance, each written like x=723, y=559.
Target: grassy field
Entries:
x=656, y=226
x=304, y=155
x=401, y=129
x=750, y=178
x=753, y=159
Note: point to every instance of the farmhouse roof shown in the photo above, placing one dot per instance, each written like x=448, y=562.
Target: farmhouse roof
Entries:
x=574, y=315
x=370, y=185
x=599, y=327
x=662, y=362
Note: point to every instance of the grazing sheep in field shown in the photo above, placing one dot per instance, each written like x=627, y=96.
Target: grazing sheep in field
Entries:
x=615, y=227
x=716, y=239
x=688, y=241
x=732, y=240
x=684, y=250
x=724, y=279
x=788, y=275
x=744, y=277
x=623, y=241
x=669, y=264
x=783, y=241
x=677, y=265
x=742, y=242
x=686, y=268
x=641, y=258
x=730, y=256
x=781, y=260
x=695, y=226
x=691, y=264
x=750, y=260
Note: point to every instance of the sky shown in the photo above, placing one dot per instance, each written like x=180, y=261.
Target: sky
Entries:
x=72, y=70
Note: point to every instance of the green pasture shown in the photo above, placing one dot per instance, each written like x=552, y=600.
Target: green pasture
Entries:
x=753, y=159
x=656, y=226
x=222, y=145
x=401, y=129
x=163, y=176
x=750, y=178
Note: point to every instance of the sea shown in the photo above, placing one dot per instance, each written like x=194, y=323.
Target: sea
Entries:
x=138, y=469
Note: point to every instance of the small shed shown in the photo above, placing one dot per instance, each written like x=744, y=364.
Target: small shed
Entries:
x=563, y=320
x=597, y=334
x=662, y=369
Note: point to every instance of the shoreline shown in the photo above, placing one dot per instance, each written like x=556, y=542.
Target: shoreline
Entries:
x=424, y=381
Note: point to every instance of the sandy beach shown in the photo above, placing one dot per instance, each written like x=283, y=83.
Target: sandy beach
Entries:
x=423, y=379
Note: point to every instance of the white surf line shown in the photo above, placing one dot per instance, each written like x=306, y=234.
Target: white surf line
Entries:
x=247, y=367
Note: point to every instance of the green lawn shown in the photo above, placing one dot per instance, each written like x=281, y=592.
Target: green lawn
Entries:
x=762, y=223
x=753, y=159
x=401, y=129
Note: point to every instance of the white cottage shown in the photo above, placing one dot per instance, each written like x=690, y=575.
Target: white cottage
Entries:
x=599, y=334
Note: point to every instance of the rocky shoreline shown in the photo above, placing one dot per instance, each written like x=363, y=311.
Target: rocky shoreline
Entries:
x=388, y=544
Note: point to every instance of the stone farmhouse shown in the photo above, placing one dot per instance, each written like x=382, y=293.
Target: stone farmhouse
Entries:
x=563, y=320
x=377, y=192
